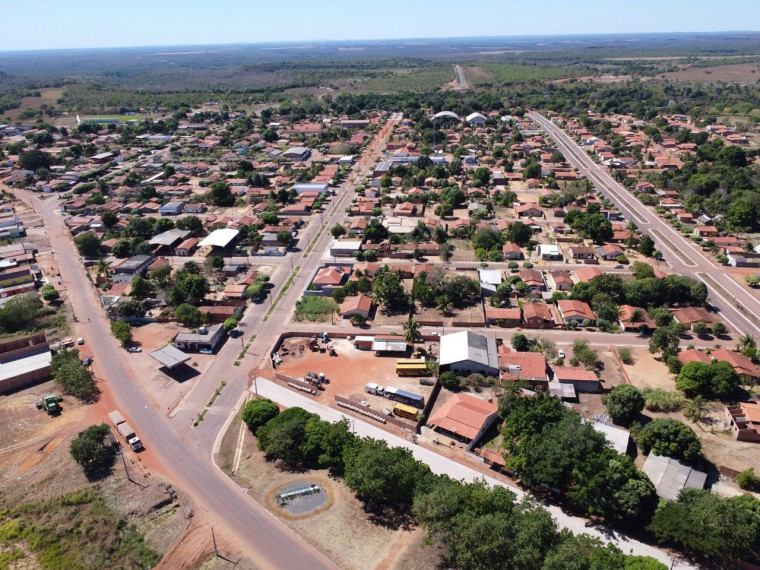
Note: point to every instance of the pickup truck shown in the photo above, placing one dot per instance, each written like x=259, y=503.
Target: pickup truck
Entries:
x=125, y=430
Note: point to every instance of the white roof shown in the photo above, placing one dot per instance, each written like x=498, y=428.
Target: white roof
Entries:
x=25, y=365
x=170, y=356
x=352, y=244
x=476, y=115
x=615, y=436
x=548, y=248
x=466, y=345
x=219, y=238
x=389, y=345
x=490, y=276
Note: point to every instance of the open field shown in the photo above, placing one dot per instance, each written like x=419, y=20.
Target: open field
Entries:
x=48, y=97
x=736, y=73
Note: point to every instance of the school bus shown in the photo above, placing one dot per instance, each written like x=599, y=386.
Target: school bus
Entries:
x=404, y=411
x=411, y=367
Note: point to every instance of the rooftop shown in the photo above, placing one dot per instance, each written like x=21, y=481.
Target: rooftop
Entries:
x=219, y=238
x=466, y=345
x=169, y=356
x=463, y=415
x=670, y=476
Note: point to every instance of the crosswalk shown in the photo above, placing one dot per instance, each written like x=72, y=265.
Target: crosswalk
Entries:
x=196, y=407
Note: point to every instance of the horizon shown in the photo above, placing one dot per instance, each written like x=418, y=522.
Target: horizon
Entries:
x=86, y=24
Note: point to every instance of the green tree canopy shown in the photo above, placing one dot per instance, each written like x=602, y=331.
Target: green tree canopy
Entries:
x=624, y=403
x=92, y=451
x=258, y=412
x=669, y=437
x=87, y=244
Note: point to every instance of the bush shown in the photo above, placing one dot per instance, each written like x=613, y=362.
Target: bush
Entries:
x=450, y=381
x=257, y=413
x=49, y=293
x=670, y=438
x=624, y=403
x=69, y=372
x=122, y=332
x=625, y=355
x=659, y=400
x=748, y=480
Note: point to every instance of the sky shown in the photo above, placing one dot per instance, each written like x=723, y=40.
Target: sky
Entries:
x=65, y=24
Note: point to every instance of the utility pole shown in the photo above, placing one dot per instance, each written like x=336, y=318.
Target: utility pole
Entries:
x=213, y=538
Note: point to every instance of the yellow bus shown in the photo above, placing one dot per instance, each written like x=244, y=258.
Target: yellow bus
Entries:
x=411, y=367
x=404, y=411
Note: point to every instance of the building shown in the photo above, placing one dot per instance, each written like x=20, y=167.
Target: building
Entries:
x=354, y=123
x=187, y=247
x=512, y=251
x=744, y=419
x=503, y=316
x=561, y=279
x=670, y=476
x=476, y=119
x=345, y=247
x=490, y=279
x=169, y=238
x=633, y=318
x=24, y=361
x=320, y=187
x=14, y=276
x=580, y=252
x=297, y=154
x=581, y=379
x=693, y=315
x=360, y=305
x=575, y=311
x=330, y=277
x=537, y=315
x=618, y=438
x=169, y=357
x=743, y=365
x=173, y=208
x=389, y=344
x=466, y=352
x=464, y=417
x=549, y=252
x=135, y=266
x=528, y=366
x=221, y=239
x=609, y=252
x=206, y=338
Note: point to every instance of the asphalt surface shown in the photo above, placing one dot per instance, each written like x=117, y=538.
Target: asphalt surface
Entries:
x=735, y=304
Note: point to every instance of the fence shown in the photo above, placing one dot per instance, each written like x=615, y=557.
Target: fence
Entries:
x=345, y=403
x=297, y=384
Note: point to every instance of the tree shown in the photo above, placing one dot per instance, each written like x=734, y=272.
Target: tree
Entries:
x=451, y=381
x=49, y=293
x=109, y=219
x=190, y=223
x=583, y=353
x=161, y=275
x=220, y=195
x=718, y=379
x=719, y=328
x=699, y=328
x=187, y=314
x=122, y=332
x=140, y=288
x=748, y=480
x=257, y=413
x=411, y=331
x=642, y=270
x=382, y=476
x=669, y=437
x=338, y=230
x=665, y=341
x=91, y=451
x=34, y=160
x=87, y=244
x=487, y=239
x=69, y=372
x=281, y=438
x=520, y=342
x=122, y=248
x=646, y=245
x=230, y=324
x=284, y=237
x=624, y=403
x=388, y=290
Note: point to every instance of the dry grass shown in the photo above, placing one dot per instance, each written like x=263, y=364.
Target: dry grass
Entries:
x=738, y=73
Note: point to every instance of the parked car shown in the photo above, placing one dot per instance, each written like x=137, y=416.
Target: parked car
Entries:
x=561, y=353
x=80, y=340
x=206, y=351
x=134, y=349
x=87, y=361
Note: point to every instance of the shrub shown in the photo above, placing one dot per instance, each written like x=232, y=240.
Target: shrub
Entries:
x=624, y=403
x=748, y=480
x=659, y=400
x=257, y=413
x=625, y=355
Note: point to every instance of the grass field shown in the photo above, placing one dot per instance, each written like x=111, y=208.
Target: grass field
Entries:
x=120, y=118
x=315, y=309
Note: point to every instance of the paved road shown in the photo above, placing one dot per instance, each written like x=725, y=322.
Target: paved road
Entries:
x=443, y=465
x=736, y=305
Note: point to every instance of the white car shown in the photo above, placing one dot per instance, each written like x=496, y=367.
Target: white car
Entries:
x=561, y=353
x=80, y=340
x=206, y=351
x=134, y=349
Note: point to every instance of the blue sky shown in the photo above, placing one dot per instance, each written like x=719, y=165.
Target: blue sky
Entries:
x=60, y=24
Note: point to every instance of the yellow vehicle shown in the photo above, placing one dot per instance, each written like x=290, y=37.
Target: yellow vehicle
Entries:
x=411, y=367
x=404, y=411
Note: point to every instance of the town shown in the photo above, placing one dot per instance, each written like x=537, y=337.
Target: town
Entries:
x=347, y=315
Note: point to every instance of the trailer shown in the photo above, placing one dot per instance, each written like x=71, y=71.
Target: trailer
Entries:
x=125, y=430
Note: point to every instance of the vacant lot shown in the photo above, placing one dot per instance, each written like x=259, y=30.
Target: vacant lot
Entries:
x=737, y=73
x=646, y=371
x=315, y=309
x=48, y=97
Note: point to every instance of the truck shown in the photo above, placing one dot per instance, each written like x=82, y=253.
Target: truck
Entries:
x=373, y=388
x=49, y=403
x=125, y=430
x=404, y=397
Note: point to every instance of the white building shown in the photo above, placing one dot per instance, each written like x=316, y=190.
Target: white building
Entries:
x=467, y=352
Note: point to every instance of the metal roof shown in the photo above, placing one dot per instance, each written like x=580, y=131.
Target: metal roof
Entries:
x=670, y=476
x=466, y=345
x=168, y=238
x=170, y=356
x=219, y=238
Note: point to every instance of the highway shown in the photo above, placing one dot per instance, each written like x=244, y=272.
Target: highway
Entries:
x=735, y=304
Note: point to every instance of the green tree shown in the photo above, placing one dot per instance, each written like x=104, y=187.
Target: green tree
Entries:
x=141, y=288
x=281, y=438
x=665, y=341
x=230, y=325
x=75, y=379
x=49, y=293
x=388, y=291
x=187, y=314
x=520, y=342
x=190, y=223
x=34, y=159
x=411, y=331
x=109, y=219
x=451, y=381
x=258, y=412
x=122, y=332
x=719, y=329
x=748, y=480
x=718, y=379
x=338, y=230
x=624, y=403
x=646, y=245
x=220, y=195
x=87, y=244
x=161, y=275
x=92, y=451
x=284, y=237
x=669, y=437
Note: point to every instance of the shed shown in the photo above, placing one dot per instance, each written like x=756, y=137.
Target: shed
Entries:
x=169, y=356
x=670, y=476
x=389, y=344
x=220, y=238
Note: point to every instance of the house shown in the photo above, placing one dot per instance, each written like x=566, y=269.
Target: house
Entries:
x=405, y=209
x=528, y=211
x=537, y=315
x=694, y=355
x=632, y=318
x=221, y=239
x=580, y=252
x=743, y=365
x=581, y=379
x=693, y=315
x=561, y=280
x=512, y=251
x=360, y=305
x=532, y=278
x=236, y=291
x=586, y=274
x=186, y=247
x=490, y=279
x=528, y=366
x=173, y=208
x=549, y=252
x=135, y=266
x=670, y=476
x=466, y=352
x=297, y=154
x=609, y=252
x=206, y=338
x=743, y=259
x=464, y=417
x=13, y=276
x=330, y=277
x=503, y=316
x=744, y=419
x=575, y=311
x=345, y=247
x=706, y=231
x=476, y=119
x=303, y=187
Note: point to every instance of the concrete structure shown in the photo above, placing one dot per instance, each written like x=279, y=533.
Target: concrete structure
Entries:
x=582, y=380
x=297, y=153
x=135, y=266
x=744, y=419
x=345, y=247
x=24, y=361
x=670, y=476
x=549, y=252
x=464, y=417
x=466, y=352
x=169, y=357
x=208, y=338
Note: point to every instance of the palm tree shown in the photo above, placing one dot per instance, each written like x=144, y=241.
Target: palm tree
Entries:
x=102, y=267
x=411, y=331
x=746, y=341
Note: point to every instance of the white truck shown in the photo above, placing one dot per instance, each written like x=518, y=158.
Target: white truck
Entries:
x=373, y=388
x=125, y=430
